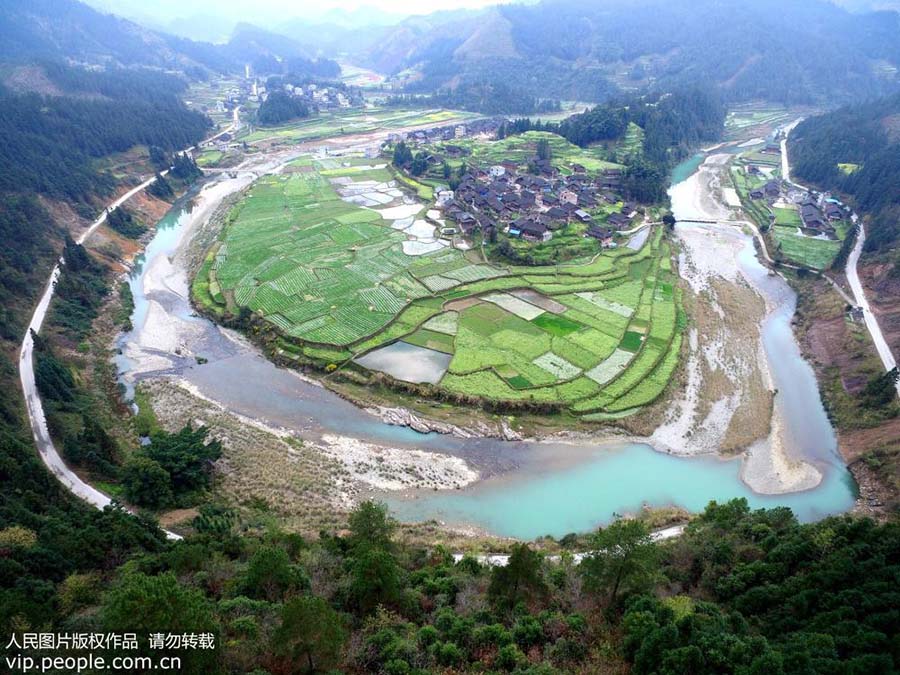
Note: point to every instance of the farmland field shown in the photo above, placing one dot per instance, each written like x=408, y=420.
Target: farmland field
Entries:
x=520, y=148
x=811, y=252
x=340, y=262
x=354, y=122
x=785, y=230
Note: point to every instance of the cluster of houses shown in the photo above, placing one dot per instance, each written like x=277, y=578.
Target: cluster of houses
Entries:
x=771, y=190
x=321, y=96
x=487, y=126
x=531, y=206
x=817, y=214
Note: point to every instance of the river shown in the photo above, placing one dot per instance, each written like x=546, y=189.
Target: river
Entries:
x=528, y=489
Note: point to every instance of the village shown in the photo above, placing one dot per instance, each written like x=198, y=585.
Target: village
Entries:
x=532, y=206
x=528, y=199
x=818, y=211
x=803, y=226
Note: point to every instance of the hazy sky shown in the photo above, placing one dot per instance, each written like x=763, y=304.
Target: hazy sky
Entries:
x=165, y=10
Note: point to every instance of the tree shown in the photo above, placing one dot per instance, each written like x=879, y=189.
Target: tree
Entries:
x=402, y=155
x=146, y=483
x=624, y=558
x=371, y=526
x=374, y=580
x=445, y=169
x=123, y=222
x=669, y=220
x=543, y=150
x=881, y=389
x=161, y=188
x=158, y=158
x=145, y=604
x=281, y=107
x=311, y=635
x=270, y=574
x=519, y=579
x=185, y=168
x=185, y=455
x=419, y=164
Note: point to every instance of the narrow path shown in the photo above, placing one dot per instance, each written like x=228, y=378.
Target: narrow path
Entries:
x=502, y=559
x=859, y=295
x=36, y=417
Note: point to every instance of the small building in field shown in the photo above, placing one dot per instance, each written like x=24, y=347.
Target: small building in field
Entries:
x=602, y=234
x=583, y=216
x=617, y=220
x=535, y=231
x=833, y=212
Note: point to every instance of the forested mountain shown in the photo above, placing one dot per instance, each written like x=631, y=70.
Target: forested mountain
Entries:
x=52, y=140
x=68, y=29
x=796, y=52
x=856, y=150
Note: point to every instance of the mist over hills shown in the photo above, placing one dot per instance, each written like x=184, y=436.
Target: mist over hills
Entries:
x=798, y=52
x=73, y=31
x=804, y=51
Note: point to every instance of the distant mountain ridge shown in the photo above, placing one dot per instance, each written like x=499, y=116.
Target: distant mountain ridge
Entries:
x=71, y=30
x=799, y=52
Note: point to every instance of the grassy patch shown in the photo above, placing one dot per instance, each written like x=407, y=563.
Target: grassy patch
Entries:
x=556, y=324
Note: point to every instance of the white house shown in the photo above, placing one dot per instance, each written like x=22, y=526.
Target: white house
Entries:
x=443, y=198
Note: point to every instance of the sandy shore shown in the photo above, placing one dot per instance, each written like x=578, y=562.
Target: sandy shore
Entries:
x=355, y=466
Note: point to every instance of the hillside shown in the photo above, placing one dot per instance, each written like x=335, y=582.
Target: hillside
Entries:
x=855, y=151
x=68, y=29
x=803, y=52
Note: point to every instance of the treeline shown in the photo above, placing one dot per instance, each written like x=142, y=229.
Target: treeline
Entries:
x=51, y=142
x=297, y=67
x=741, y=592
x=80, y=291
x=673, y=125
x=281, y=107
x=27, y=231
x=485, y=97
x=864, y=139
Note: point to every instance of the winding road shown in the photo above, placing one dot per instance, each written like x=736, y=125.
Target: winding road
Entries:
x=45, y=446
x=859, y=294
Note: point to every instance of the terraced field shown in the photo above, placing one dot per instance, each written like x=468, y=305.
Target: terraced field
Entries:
x=341, y=262
x=521, y=147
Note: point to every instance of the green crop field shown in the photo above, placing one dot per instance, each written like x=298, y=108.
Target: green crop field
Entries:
x=354, y=122
x=339, y=280
x=789, y=241
x=808, y=251
x=521, y=147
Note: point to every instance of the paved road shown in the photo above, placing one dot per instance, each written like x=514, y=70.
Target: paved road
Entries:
x=859, y=293
x=881, y=345
x=46, y=449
